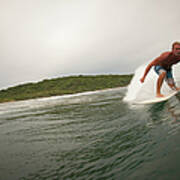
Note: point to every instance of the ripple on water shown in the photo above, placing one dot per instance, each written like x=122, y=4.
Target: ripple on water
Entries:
x=95, y=136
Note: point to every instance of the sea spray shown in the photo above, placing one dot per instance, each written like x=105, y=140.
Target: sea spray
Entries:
x=135, y=85
x=176, y=74
x=138, y=91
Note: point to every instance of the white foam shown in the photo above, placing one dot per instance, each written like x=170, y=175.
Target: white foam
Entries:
x=138, y=91
x=18, y=106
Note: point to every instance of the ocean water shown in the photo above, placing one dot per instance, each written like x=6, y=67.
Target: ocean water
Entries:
x=90, y=136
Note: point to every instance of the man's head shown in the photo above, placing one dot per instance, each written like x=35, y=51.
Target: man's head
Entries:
x=176, y=48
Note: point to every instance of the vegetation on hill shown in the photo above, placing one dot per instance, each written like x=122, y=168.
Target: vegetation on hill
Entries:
x=63, y=85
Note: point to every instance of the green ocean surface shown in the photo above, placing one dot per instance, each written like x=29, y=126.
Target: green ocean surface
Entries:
x=89, y=136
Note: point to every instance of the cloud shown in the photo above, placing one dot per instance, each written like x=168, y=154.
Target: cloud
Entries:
x=43, y=38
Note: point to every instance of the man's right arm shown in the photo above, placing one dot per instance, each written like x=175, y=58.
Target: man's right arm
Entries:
x=153, y=63
x=146, y=71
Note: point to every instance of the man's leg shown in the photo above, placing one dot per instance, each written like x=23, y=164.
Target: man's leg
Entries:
x=170, y=81
x=160, y=80
x=172, y=85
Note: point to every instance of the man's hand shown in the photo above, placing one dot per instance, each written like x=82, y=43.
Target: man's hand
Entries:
x=142, y=79
x=177, y=88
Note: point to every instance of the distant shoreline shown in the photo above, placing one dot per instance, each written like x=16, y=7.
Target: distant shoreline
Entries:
x=63, y=86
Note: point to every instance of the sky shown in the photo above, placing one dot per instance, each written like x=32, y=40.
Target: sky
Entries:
x=44, y=39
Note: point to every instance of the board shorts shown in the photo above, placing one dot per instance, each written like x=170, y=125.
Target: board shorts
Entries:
x=169, y=77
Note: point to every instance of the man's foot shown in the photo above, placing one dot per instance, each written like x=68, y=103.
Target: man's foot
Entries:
x=159, y=95
x=177, y=88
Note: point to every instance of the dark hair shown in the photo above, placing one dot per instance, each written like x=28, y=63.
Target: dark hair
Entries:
x=175, y=43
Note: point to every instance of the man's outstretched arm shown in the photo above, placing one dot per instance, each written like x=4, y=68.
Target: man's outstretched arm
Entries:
x=146, y=72
x=153, y=63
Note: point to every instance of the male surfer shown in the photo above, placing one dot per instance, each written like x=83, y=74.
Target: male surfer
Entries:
x=163, y=67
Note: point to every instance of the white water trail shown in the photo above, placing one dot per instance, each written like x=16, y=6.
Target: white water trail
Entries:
x=138, y=91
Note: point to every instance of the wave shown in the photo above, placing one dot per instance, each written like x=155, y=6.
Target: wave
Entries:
x=138, y=91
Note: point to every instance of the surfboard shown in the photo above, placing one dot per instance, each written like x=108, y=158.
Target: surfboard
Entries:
x=157, y=99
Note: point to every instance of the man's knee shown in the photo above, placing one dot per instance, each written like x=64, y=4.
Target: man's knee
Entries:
x=171, y=82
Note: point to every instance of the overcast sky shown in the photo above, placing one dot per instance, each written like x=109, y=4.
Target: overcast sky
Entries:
x=50, y=38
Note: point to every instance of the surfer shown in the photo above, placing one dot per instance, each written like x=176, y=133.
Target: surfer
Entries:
x=163, y=67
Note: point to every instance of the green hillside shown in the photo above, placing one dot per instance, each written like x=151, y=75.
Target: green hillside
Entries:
x=63, y=85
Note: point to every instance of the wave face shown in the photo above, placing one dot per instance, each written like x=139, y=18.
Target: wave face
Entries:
x=138, y=91
x=93, y=135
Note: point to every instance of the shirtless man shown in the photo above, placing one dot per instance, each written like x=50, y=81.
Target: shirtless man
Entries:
x=163, y=67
